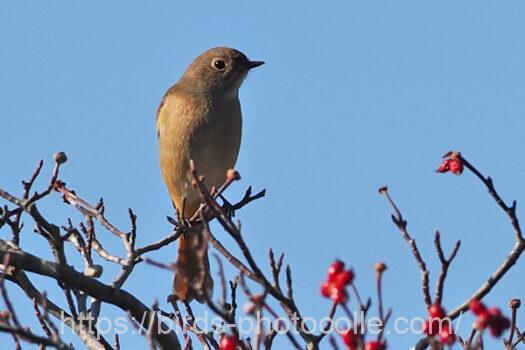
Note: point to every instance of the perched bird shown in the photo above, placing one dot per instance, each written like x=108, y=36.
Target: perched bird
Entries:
x=200, y=119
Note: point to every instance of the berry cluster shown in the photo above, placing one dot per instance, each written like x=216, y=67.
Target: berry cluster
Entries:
x=354, y=341
x=452, y=162
x=228, y=342
x=337, y=279
x=489, y=317
x=438, y=324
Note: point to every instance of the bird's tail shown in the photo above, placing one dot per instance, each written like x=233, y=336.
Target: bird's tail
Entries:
x=192, y=274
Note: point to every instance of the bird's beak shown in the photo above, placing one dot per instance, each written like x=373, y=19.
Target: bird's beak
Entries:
x=253, y=64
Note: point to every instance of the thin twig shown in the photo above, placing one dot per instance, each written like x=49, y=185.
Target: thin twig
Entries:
x=445, y=264
x=41, y=320
x=191, y=321
x=401, y=224
x=222, y=278
x=7, y=301
x=30, y=337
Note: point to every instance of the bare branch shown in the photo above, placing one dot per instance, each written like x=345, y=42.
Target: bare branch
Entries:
x=515, y=253
x=94, y=288
x=401, y=224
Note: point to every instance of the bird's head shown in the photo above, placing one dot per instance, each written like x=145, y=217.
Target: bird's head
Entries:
x=220, y=69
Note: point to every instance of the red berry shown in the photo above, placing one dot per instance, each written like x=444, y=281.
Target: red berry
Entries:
x=334, y=269
x=436, y=311
x=326, y=289
x=497, y=325
x=497, y=330
x=344, y=278
x=477, y=307
x=375, y=345
x=482, y=321
x=494, y=311
x=491, y=318
x=436, y=320
x=456, y=166
x=444, y=166
x=228, y=342
x=437, y=326
x=432, y=327
x=447, y=335
x=338, y=295
x=350, y=338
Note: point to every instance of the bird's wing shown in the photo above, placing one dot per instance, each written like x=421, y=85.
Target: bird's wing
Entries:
x=168, y=94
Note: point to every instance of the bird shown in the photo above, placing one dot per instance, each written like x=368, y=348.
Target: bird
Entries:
x=199, y=119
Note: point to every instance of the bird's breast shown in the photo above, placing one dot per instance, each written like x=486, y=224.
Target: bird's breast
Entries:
x=215, y=141
x=208, y=131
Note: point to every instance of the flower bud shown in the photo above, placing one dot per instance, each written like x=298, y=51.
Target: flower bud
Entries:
x=60, y=157
x=515, y=303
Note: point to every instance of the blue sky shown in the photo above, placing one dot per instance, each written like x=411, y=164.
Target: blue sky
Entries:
x=354, y=95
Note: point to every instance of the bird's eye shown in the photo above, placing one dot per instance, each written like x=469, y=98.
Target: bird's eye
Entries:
x=219, y=64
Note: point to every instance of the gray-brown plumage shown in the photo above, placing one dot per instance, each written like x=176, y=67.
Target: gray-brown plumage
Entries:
x=200, y=119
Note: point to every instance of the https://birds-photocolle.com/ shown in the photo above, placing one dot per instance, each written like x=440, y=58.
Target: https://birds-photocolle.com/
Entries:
x=199, y=120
